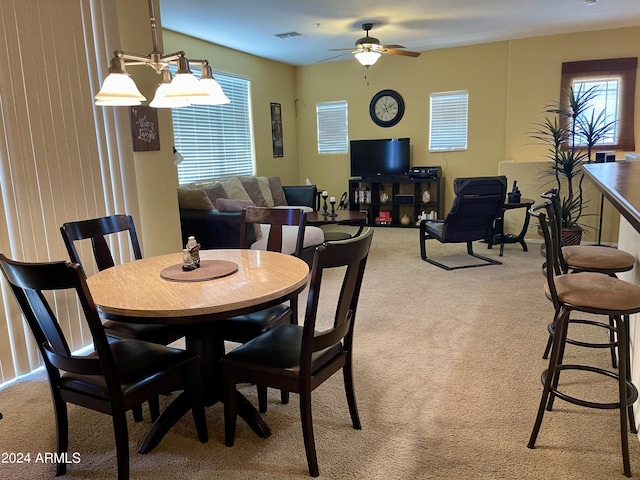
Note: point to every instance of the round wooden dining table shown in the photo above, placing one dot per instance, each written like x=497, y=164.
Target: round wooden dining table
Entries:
x=155, y=290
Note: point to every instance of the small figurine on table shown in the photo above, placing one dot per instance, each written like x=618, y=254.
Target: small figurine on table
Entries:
x=514, y=195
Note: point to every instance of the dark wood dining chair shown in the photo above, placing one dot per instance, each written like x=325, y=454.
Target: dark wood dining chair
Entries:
x=476, y=206
x=298, y=358
x=243, y=328
x=98, y=230
x=117, y=376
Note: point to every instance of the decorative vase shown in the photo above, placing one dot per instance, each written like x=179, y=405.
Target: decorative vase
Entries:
x=405, y=220
x=426, y=196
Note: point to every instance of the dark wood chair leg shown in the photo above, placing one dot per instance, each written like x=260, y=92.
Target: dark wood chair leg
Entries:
x=121, y=433
x=347, y=373
x=307, y=432
x=284, y=397
x=137, y=413
x=262, y=398
x=62, y=428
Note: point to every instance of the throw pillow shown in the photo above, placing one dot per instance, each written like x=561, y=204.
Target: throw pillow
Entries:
x=263, y=183
x=234, y=189
x=252, y=188
x=277, y=192
x=215, y=191
x=193, y=199
x=232, y=205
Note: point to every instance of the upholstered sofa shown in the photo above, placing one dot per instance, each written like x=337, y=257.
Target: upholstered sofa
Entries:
x=211, y=212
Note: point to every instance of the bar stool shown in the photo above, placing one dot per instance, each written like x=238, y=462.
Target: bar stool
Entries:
x=587, y=258
x=591, y=293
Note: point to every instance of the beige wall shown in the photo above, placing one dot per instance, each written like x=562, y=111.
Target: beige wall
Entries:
x=509, y=84
x=481, y=69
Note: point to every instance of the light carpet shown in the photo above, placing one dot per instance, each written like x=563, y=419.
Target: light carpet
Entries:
x=447, y=375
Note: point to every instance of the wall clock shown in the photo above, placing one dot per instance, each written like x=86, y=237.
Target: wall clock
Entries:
x=386, y=108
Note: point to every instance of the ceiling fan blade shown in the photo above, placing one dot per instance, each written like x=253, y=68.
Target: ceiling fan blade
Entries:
x=335, y=56
x=391, y=46
x=406, y=53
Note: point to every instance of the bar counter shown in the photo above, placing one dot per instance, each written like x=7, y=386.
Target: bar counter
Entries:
x=619, y=182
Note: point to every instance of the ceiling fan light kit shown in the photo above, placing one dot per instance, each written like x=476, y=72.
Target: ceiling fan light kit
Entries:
x=119, y=89
x=368, y=49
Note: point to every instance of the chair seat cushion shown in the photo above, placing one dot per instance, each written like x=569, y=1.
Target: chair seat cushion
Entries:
x=243, y=328
x=135, y=361
x=312, y=236
x=597, y=291
x=279, y=348
x=161, y=334
x=597, y=258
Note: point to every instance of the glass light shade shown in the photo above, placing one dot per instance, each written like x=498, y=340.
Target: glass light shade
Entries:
x=119, y=89
x=160, y=100
x=216, y=95
x=367, y=58
x=185, y=85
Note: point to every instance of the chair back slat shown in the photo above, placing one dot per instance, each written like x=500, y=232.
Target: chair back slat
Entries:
x=545, y=215
x=97, y=230
x=277, y=218
x=37, y=288
x=351, y=254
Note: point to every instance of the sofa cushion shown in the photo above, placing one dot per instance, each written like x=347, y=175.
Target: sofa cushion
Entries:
x=277, y=192
x=265, y=188
x=252, y=188
x=195, y=199
x=312, y=236
x=234, y=189
x=232, y=205
x=215, y=191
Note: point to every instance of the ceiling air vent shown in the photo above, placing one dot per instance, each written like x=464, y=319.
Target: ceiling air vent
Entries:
x=284, y=36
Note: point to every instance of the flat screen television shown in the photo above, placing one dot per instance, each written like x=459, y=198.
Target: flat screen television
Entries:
x=386, y=157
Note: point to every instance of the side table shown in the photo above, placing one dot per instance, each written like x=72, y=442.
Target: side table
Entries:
x=343, y=217
x=499, y=237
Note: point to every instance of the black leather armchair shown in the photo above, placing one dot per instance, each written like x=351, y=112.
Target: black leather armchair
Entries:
x=216, y=229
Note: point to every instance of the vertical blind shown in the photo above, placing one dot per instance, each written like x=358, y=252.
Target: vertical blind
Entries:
x=333, y=127
x=216, y=140
x=61, y=158
x=604, y=108
x=449, y=116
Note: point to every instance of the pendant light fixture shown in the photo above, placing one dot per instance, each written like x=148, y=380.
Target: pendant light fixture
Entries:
x=119, y=89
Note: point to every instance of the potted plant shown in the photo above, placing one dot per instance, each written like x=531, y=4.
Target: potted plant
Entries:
x=571, y=136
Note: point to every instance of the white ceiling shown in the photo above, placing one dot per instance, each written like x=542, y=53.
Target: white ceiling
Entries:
x=252, y=25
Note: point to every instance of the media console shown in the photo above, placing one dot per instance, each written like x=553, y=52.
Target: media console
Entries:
x=387, y=200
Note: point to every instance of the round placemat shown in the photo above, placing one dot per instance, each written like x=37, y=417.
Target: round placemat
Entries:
x=209, y=269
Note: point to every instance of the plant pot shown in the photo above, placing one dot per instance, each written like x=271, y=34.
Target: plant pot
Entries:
x=571, y=236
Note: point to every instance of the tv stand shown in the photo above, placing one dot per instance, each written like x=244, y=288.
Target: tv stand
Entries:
x=397, y=197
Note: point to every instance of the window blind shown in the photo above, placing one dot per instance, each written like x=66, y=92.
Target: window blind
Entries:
x=333, y=128
x=449, y=116
x=215, y=140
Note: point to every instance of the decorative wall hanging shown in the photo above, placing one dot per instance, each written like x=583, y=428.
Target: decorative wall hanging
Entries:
x=144, y=128
x=276, y=130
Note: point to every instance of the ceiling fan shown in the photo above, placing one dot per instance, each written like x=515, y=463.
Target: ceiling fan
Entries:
x=368, y=49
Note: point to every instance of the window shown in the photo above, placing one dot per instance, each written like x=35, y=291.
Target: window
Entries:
x=449, y=114
x=603, y=109
x=615, y=80
x=333, y=131
x=215, y=140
